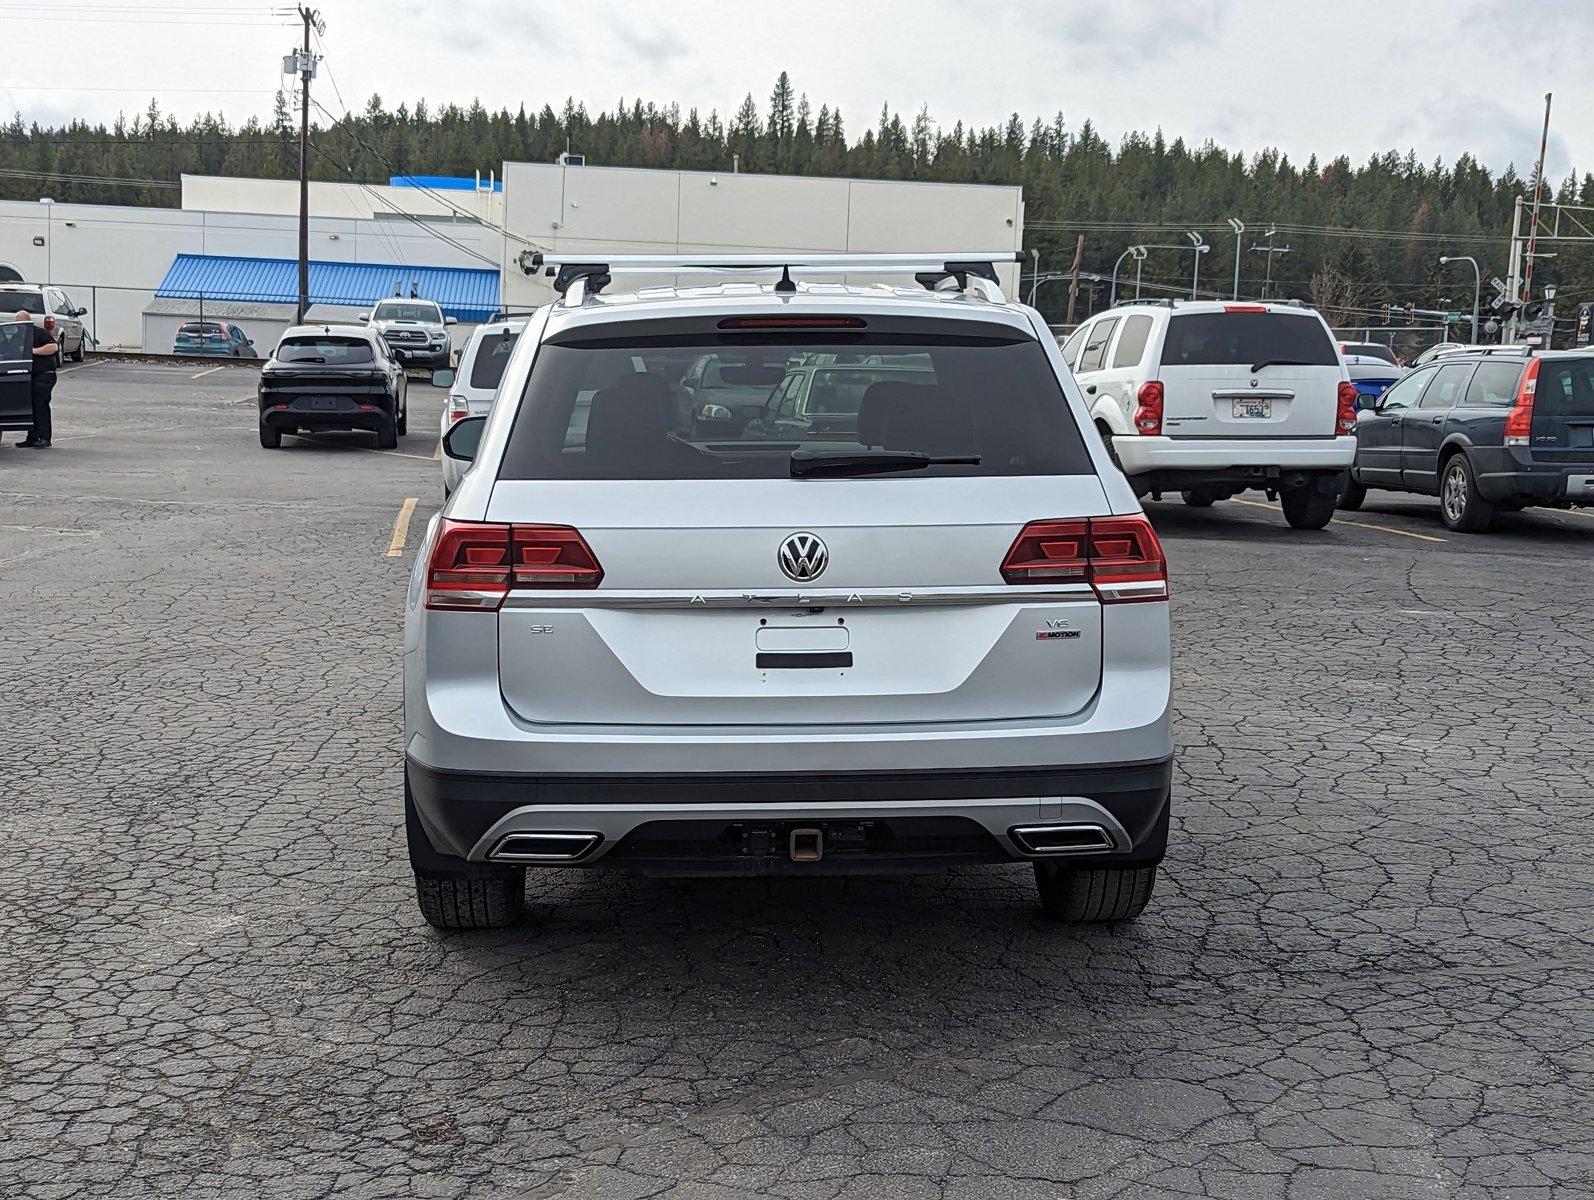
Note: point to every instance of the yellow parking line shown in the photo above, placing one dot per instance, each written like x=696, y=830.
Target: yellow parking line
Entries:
x=438, y=453
x=207, y=371
x=1421, y=537
x=401, y=528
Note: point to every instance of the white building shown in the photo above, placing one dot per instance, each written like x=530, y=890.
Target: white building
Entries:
x=112, y=260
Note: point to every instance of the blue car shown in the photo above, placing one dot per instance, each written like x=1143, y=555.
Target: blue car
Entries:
x=1372, y=369
x=213, y=338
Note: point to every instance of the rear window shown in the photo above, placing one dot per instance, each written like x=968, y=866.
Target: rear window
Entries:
x=13, y=302
x=1565, y=388
x=206, y=330
x=334, y=351
x=1230, y=339
x=492, y=355
x=1371, y=350
x=617, y=409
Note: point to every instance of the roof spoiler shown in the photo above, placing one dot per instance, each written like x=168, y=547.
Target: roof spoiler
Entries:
x=930, y=270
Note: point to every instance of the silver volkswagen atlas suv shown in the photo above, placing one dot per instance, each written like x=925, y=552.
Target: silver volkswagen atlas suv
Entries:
x=932, y=631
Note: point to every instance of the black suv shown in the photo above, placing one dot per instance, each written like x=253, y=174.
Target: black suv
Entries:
x=332, y=377
x=1483, y=430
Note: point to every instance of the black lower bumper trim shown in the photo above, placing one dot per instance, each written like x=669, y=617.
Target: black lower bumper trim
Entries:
x=457, y=808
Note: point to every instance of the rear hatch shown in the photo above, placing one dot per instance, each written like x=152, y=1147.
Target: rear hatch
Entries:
x=1563, y=411
x=327, y=372
x=1249, y=372
x=715, y=607
x=200, y=338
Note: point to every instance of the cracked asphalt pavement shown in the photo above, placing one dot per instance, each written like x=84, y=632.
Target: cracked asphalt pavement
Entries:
x=1366, y=972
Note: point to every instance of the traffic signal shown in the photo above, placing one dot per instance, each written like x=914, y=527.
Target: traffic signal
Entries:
x=1531, y=311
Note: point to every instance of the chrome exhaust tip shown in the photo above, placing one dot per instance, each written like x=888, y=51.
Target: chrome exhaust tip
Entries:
x=1062, y=839
x=544, y=847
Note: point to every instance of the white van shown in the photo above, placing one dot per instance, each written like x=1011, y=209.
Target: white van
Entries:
x=1209, y=398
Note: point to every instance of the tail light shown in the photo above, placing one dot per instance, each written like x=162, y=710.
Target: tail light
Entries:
x=551, y=556
x=1148, y=409
x=475, y=564
x=1120, y=557
x=458, y=408
x=1519, y=421
x=1345, y=421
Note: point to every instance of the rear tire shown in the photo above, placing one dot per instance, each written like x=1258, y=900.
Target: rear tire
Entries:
x=469, y=903
x=79, y=354
x=456, y=894
x=387, y=436
x=404, y=420
x=1199, y=497
x=1461, y=506
x=270, y=438
x=1306, y=507
x=1099, y=894
x=1351, y=494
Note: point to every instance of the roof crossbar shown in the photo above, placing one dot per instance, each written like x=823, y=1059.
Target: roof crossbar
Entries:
x=931, y=269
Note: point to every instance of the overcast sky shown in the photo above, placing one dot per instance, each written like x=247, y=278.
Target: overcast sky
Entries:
x=1353, y=77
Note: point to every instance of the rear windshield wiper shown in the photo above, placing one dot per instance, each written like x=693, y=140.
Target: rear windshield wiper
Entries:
x=1279, y=362
x=872, y=462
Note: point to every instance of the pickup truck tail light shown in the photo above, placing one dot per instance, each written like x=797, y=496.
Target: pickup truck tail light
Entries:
x=1345, y=420
x=1148, y=409
x=1519, y=421
x=1120, y=557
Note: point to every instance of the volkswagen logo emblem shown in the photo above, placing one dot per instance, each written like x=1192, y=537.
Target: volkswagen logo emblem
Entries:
x=803, y=557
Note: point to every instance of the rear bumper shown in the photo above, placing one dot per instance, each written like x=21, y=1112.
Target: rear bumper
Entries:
x=967, y=815
x=1503, y=473
x=1144, y=455
x=347, y=412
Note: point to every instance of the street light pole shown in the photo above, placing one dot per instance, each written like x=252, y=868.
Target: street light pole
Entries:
x=1138, y=253
x=1477, y=285
x=1239, y=230
x=49, y=238
x=1195, y=271
x=1035, y=255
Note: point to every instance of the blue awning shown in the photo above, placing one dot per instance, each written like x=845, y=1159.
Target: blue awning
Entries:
x=466, y=293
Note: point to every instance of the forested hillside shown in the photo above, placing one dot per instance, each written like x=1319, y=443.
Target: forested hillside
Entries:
x=1360, y=235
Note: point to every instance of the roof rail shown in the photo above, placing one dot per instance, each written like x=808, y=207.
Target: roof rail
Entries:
x=930, y=269
x=1513, y=348
x=1160, y=302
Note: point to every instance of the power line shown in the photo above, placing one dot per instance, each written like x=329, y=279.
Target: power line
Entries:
x=66, y=177
x=378, y=198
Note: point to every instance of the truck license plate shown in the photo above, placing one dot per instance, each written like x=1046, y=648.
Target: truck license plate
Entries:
x=1253, y=408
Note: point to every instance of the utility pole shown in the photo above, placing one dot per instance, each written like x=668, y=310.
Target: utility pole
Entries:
x=1270, y=250
x=1073, y=286
x=1533, y=218
x=305, y=62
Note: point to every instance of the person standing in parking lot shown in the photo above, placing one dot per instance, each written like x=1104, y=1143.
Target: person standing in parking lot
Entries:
x=45, y=352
